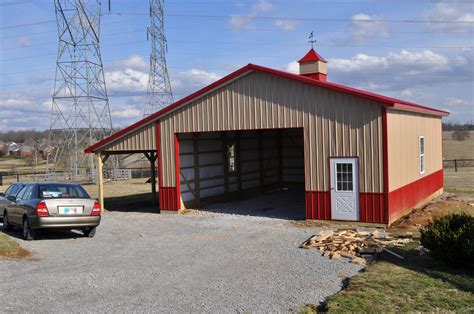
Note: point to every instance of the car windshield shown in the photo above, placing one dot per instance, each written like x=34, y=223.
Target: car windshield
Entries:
x=61, y=191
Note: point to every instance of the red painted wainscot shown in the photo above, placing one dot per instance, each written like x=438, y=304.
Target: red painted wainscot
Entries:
x=318, y=205
x=169, y=198
x=371, y=206
x=401, y=200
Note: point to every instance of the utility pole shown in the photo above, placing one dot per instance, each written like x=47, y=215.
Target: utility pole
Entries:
x=80, y=114
x=159, y=94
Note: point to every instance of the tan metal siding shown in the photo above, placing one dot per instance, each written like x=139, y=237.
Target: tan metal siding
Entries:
x=335, y=124
x=142, y=139
x=403, y=131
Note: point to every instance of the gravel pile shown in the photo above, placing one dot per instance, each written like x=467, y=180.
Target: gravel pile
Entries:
x=169, y=263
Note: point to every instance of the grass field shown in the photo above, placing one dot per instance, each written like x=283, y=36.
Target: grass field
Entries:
x=457, y=150
x=460, y=182
x=415, y=284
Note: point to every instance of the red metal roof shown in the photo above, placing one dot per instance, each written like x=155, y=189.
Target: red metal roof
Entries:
x=383, y=100
x=312, y=56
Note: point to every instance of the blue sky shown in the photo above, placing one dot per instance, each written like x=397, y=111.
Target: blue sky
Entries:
x=419, y=51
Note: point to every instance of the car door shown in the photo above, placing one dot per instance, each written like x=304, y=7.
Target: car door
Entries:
x=15, y=210
x=4, y=199
x=29, y=201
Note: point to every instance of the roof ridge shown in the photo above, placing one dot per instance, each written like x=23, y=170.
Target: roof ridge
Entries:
x=388, y=101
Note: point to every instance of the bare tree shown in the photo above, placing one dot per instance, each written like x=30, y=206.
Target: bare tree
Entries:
x=461, y=135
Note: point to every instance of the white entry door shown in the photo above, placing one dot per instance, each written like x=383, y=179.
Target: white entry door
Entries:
x=344, y=189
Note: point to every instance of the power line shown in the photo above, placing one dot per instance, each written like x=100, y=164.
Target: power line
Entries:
x=7, y=4
x=28, y=24
x=247, y=17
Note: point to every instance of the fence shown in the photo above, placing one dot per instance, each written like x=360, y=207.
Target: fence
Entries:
x=83, y=176
x=458, y=163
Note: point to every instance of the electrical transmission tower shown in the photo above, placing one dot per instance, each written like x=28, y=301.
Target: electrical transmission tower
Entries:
x=80, y=114
x=159, y=94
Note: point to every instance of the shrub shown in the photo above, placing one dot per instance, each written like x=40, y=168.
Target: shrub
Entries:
x=461, y=135
x=450, y=238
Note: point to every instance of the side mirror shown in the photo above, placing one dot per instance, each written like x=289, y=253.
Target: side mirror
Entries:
x=2, y=194
x=11, y=198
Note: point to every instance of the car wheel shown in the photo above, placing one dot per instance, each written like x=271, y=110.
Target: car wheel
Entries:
x=89, y=233
x=6, y=223
x=28, y=233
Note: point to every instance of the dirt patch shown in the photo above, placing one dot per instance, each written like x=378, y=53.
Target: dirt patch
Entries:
x=10, y=249
x=14, y=253
x=445, y=204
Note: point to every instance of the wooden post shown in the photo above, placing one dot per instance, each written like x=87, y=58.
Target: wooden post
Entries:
x=280, y=161
x=226, y=165
x=197, y=190
x=238, y=164
x=260, y=161
x=455, y=165
x=152, y=158
x=100, y=182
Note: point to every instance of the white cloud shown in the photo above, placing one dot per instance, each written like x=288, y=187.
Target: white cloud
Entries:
x=413, y=67
x=127, y=112
x=127, y=81
x=23, y=111
x=420, y=76
x=263, y=6
x=184, y=83
x=238, y=22
x=246, y=21
x=450, y=16
x=286, y=25
x=458, y=102
x=292, y=67
x=363, y=28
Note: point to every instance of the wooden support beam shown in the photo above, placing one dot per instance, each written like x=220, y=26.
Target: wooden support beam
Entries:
x=260, y=160
x=238, y=163
x=280, y=161
x=100, y=182
x=152, y=156
x=197, y=194
x=226, y=165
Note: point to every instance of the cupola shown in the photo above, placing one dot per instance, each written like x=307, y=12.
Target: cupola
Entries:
x=313, y=65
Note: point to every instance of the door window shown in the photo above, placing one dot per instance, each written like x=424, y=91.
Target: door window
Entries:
x=22, y=192
x=8, y=191
x=28, y=192
x=344, y=179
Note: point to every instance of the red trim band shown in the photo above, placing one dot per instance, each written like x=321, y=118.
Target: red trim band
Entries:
x=414, y=194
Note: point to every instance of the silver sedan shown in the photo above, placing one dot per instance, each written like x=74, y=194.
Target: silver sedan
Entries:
x=52, y=206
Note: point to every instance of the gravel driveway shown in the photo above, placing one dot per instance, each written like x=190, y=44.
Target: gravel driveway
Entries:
x=209, y=262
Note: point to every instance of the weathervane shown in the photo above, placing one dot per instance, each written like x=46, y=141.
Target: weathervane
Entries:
x=311, y=39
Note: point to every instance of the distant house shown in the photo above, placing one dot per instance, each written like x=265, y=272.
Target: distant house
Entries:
x=14, y=149
x=20, y=151
x=26, y=151
x=44, y=150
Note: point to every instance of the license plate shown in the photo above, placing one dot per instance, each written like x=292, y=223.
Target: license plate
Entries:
x=70, y=210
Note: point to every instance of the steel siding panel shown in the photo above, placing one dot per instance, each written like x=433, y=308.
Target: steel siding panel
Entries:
x=334, y=124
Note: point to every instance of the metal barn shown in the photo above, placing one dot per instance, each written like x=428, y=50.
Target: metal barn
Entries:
x=355, y=155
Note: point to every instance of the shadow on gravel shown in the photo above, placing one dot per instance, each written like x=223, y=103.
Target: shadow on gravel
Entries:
x=48, y=234
x=140, y=203
x=287, y=204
